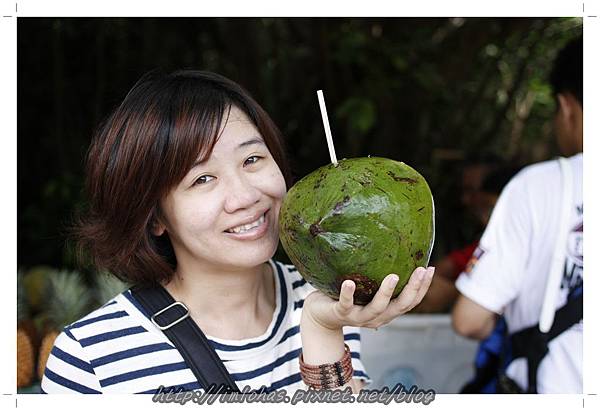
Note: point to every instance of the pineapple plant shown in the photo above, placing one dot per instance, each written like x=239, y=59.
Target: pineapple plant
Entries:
x=108, y=286
x=25, y=347
x=35, y=283
x=67, y=298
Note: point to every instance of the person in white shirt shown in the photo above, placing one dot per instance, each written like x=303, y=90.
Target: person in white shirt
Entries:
x=509, y=269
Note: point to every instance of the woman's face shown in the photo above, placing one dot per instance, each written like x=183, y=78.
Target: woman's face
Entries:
x=224, y=213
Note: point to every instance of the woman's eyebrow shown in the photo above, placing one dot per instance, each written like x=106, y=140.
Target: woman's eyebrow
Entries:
x=250, y=142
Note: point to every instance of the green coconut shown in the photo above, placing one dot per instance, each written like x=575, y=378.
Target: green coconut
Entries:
x=360, y=220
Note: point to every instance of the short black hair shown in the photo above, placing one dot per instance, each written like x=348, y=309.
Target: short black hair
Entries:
x=567, y=72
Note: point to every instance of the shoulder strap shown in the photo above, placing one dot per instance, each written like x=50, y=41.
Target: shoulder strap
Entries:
x=558, y=254
x=172, y=318
x=532, y=344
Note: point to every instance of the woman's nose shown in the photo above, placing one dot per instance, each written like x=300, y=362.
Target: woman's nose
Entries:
x=240, y=193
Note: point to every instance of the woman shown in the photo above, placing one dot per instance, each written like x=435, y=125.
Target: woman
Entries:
x=186, y=179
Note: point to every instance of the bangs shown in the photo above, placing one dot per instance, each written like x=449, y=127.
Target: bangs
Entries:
x=197, y=118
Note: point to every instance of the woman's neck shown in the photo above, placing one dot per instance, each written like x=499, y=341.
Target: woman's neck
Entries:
x=227, y=304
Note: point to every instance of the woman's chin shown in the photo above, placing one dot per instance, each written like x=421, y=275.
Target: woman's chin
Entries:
x=249, y=257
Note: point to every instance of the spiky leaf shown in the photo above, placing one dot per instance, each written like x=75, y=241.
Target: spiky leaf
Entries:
x=108, y=286
x=68, y=298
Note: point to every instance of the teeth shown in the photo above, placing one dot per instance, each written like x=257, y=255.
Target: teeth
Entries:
x=247, y=227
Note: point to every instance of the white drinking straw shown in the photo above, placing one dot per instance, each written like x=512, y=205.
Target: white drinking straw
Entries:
x=326, y=126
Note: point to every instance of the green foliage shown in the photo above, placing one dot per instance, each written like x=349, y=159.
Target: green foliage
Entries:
x=410, y=89
x=359, y=113
x=67, y=299
x=107, y=286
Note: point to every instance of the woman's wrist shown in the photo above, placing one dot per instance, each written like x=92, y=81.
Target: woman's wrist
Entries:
x=320, y=344
x=324, y=347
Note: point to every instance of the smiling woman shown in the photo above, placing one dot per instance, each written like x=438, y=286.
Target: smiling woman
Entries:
x=240, y=187
x=185, y=181
x=156, y=141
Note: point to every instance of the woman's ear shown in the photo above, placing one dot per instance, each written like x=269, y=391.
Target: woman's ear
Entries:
x=157, y=227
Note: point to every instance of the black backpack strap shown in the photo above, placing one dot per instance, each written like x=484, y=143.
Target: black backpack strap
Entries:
x=532, y=344
x=483, y=376
x=488, y=359
x=172, y=318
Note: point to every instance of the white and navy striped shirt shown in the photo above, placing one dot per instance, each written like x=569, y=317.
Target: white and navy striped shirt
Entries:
x=117, y=349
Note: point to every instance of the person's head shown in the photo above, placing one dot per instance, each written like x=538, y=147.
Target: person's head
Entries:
x=474, y=172
x=185, y=158
x=471, y=179
x=566, y=79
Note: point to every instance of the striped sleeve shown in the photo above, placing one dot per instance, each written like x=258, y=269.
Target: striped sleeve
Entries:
x=352, y=338
x=301, y=290
x=67, y=370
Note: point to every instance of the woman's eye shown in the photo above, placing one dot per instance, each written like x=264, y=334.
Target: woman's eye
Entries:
x=203, y=180
x=252, y=160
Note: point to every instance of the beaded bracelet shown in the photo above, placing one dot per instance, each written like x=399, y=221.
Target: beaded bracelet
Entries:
x=328, y=376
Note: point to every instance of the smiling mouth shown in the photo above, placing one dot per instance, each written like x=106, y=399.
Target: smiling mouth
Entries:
x=248, y=227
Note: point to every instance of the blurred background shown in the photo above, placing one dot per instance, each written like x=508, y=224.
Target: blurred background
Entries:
x=440, y=94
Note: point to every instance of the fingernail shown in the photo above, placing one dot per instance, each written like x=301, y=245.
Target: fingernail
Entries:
x=421, y=275
x=393, y=280
x=431, y=271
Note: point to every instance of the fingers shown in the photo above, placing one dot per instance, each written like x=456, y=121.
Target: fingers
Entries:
x=346, y=300
x=382, y=298
x=404, y=301
x=424, y=287
x=381, y=310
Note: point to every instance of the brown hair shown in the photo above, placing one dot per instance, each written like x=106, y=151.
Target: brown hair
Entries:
x=141, y=151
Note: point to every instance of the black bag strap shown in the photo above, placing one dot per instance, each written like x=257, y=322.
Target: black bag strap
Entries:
x=483, y=376
x=172, y=318
x=532, y=344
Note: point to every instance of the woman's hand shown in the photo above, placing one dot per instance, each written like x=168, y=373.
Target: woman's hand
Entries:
x=332, y=314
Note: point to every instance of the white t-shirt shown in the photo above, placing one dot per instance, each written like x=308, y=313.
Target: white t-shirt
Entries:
x=511, y=265
x=117, y=349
